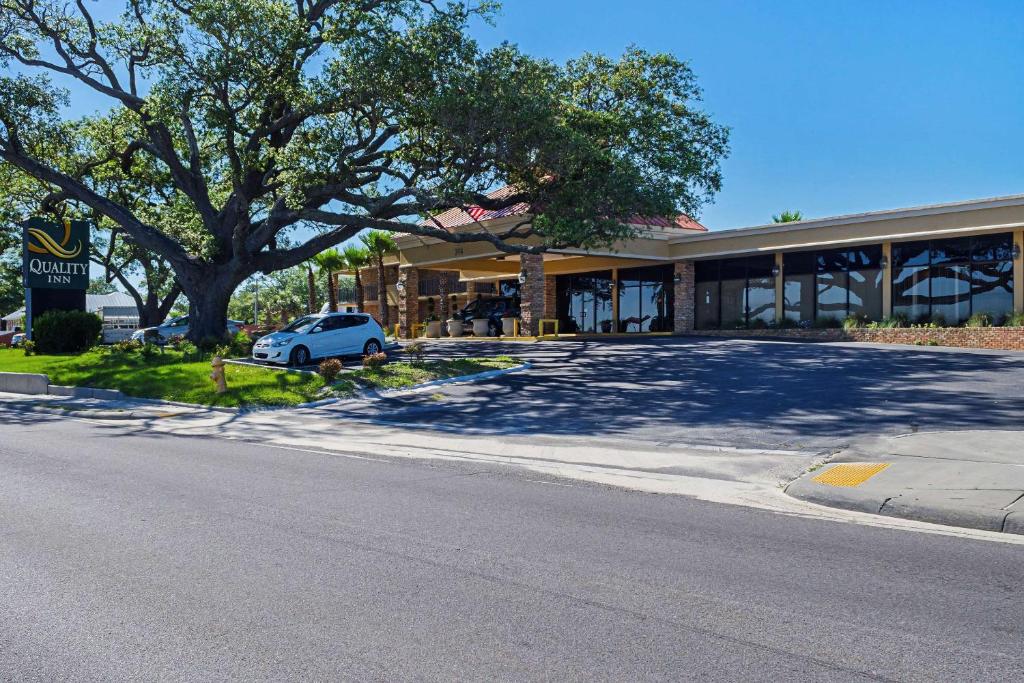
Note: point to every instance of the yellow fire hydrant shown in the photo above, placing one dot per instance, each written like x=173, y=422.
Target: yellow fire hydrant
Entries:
x=218, y=376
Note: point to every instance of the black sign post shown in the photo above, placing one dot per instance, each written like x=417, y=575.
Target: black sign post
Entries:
x=55, y=267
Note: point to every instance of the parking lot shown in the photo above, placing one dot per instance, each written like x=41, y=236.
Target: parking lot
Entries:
x=743, y=393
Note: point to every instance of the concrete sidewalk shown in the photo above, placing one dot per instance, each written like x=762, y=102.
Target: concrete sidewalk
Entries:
x=971, y=479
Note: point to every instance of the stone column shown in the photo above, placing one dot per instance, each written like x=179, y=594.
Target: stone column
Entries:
x=531, y=293
x=684, y=297
x=408, y=301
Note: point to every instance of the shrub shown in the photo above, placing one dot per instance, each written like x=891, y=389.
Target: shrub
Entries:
x=29, y=347
x=1014, y=320
x=126, y=346
x=176, y=341
x=898, y=320
x=222, y=350
x=330, y=369
x=939, y=320
x=855, y=321
x=758, y=324
x=189, y=352
x=786, y=324
x=375, y=360
x=66, y=331
x=241, y=344
x=979, y=320
x=415, y=351
x=149, y=350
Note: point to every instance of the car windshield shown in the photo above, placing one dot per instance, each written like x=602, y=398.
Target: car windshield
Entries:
x=302, y=324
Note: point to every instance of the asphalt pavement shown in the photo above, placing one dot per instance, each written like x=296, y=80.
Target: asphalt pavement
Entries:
x=131, y=555
x=738, y=392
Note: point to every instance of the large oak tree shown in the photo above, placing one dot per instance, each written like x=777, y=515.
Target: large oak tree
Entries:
x=283, y=127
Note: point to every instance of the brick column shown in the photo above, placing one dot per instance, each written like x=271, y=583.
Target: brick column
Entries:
x=408, y=301
x=531, y=292
x=684, y=297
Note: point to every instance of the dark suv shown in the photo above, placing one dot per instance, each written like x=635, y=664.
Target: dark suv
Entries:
x=493, y=309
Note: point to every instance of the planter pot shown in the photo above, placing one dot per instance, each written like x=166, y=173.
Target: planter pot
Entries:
x=434, y=329
x=480, y=326
x=454, y=328
x=508, y=325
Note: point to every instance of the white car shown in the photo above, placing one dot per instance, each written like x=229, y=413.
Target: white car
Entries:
x=175, y=327
x=321, y=336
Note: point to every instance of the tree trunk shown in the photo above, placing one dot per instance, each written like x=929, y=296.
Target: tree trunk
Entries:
x=311, y=293
x=382, y=294
x=332, y=293
x=209, y=290
x=360, y=301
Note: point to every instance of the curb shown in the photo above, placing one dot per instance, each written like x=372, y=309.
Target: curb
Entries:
x=87, y=413
x=462, y=379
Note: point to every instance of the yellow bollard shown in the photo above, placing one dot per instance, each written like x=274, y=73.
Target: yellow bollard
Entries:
x=218, y=376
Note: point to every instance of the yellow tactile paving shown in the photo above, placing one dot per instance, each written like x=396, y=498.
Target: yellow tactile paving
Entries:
x=850, y=474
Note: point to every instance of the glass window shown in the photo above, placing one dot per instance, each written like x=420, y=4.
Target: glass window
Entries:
x=951, y=250
x=734, y=304
x=629, y=306
x=707, y=306
x=761, y=299
x=832, y=295
x=992, y=289
x=829, y=261
x=992, y=247
x=869, y=256
x=910, y=254
x=798, y=293
x=866, y=293
x=950, y=294
x=910, y=296
x=800, y=263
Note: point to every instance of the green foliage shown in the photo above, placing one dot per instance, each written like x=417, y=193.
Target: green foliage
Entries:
x=29, y=347
x=856, y=321
x=125, y=346
x=149, y=350
x=246, y=136
x=787, y=217
x=979, y=320
x=66, y=331
x=329, y=369
x=189, y=352
x=1014, y=320
x=99, y=285
x=170, y=377
x=898, y=320
x=786, y=324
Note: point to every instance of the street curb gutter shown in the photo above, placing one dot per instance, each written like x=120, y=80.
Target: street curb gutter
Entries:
x=904, y=504
x=87, y=413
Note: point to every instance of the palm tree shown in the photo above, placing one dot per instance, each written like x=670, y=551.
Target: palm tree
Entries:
x=788, y=217
x=380, y=243
x=329, y=262
x=310, y=288
x=356, y=258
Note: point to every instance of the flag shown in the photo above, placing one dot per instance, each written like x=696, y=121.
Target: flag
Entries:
x=476, y=212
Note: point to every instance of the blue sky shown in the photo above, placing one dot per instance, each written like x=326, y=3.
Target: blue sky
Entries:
x=835, y=107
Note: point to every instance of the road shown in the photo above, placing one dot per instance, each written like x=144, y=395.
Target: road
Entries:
x=131, y=555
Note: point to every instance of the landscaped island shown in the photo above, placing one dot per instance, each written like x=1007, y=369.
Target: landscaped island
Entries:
x=168, y=376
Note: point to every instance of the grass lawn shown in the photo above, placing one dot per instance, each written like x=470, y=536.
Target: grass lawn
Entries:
x=167, y=377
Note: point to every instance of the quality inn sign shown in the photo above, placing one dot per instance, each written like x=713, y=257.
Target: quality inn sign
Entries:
x=56, y=256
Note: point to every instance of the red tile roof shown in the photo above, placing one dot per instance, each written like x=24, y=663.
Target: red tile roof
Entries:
x=453, y=218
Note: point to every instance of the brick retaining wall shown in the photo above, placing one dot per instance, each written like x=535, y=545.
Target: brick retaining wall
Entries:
x=1001, y=338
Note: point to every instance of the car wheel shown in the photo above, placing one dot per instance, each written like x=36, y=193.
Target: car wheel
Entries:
x=372, y=347
x=300, y=356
